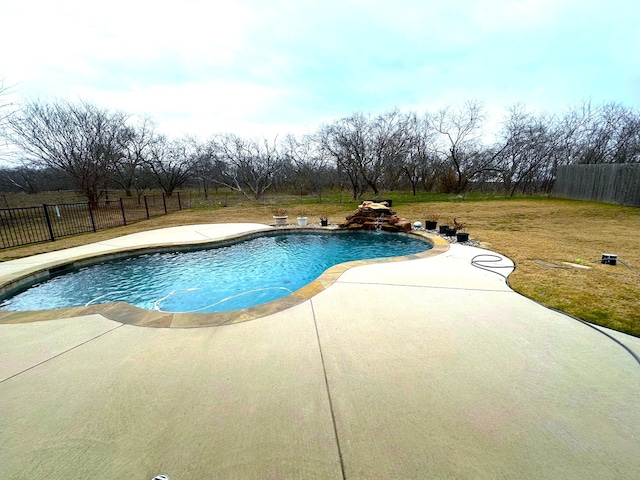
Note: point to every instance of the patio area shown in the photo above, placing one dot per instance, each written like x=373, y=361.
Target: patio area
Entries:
x=424, y=368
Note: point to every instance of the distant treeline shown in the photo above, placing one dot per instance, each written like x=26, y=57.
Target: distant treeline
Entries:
x=59, y=144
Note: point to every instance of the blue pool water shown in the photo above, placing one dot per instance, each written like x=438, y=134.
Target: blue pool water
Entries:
x=230, y=277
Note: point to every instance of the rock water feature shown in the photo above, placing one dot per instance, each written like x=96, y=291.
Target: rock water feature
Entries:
x=376, y=216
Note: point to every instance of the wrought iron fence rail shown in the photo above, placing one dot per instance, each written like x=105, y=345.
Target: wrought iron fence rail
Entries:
x=27, y=225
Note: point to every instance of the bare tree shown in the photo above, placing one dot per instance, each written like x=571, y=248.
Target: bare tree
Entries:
x=205, y=167
x=460, y=131
x=5, y=103
x=310, y=168
x=7, y=108
x=344, y=142
x=20, y=179
x=247, y=165
x=80, y=139
x=420, y=165
x=524, y=151
x=130, y=173
x=609, y=134
x=31, y=180
x=392, y=142
x=569, y=131
x=366, y=149
x=170, y=162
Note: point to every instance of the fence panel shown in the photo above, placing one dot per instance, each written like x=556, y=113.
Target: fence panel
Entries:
x=134, y=209
x=156, y=205
x=26, y=225
x=22, y=226
x=108, y=214
x=69, y=218
x=610, y=183
x=174, y=202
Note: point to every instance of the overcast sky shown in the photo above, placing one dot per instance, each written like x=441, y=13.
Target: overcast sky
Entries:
x=258, y=67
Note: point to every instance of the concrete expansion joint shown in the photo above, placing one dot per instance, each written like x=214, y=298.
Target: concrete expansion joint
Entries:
x=61, y=353
x=328, y=389
x=203, y=235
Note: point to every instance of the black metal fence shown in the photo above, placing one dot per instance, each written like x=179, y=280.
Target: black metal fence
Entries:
x=26, y=225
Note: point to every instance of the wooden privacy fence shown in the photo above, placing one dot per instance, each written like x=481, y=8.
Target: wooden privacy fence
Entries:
x=26, y=225
x=611, y=183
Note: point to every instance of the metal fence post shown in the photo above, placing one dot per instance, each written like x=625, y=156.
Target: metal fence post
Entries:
x=179, y=203
x=46, y=216
x=164, y=201
x=146, y=206
x=93, y=221
x=124, y=217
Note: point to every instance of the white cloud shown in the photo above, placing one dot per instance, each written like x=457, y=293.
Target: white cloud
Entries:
x=73, y=35
x=206, y=103
x=202, y=67
x=519, y=15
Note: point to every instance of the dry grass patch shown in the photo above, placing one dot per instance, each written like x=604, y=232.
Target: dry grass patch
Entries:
x=525, y=230
x=558, y=231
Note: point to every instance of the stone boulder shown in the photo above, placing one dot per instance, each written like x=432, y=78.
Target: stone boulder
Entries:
x=376, y=216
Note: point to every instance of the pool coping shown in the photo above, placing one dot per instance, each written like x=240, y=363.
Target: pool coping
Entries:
x=126, y=313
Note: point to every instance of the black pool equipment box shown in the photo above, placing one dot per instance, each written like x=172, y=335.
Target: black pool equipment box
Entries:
x=609, y=259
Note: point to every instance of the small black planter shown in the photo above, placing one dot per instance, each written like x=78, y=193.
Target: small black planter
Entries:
x=444, y=229
x=462, y=236
x=429, y=225
x=450, y=232
x=324, y=222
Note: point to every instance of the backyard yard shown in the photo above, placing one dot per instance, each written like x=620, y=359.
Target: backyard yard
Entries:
x=541, y=235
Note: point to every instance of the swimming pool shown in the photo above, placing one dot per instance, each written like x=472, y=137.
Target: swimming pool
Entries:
x=231, y=277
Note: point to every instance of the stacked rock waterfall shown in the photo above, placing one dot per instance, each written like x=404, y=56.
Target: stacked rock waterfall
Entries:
x=376, y=216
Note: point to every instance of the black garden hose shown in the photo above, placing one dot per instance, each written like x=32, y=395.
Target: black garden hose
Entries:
x=489, y=258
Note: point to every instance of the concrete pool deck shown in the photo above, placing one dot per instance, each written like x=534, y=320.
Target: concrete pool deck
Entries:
x=424, y=368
